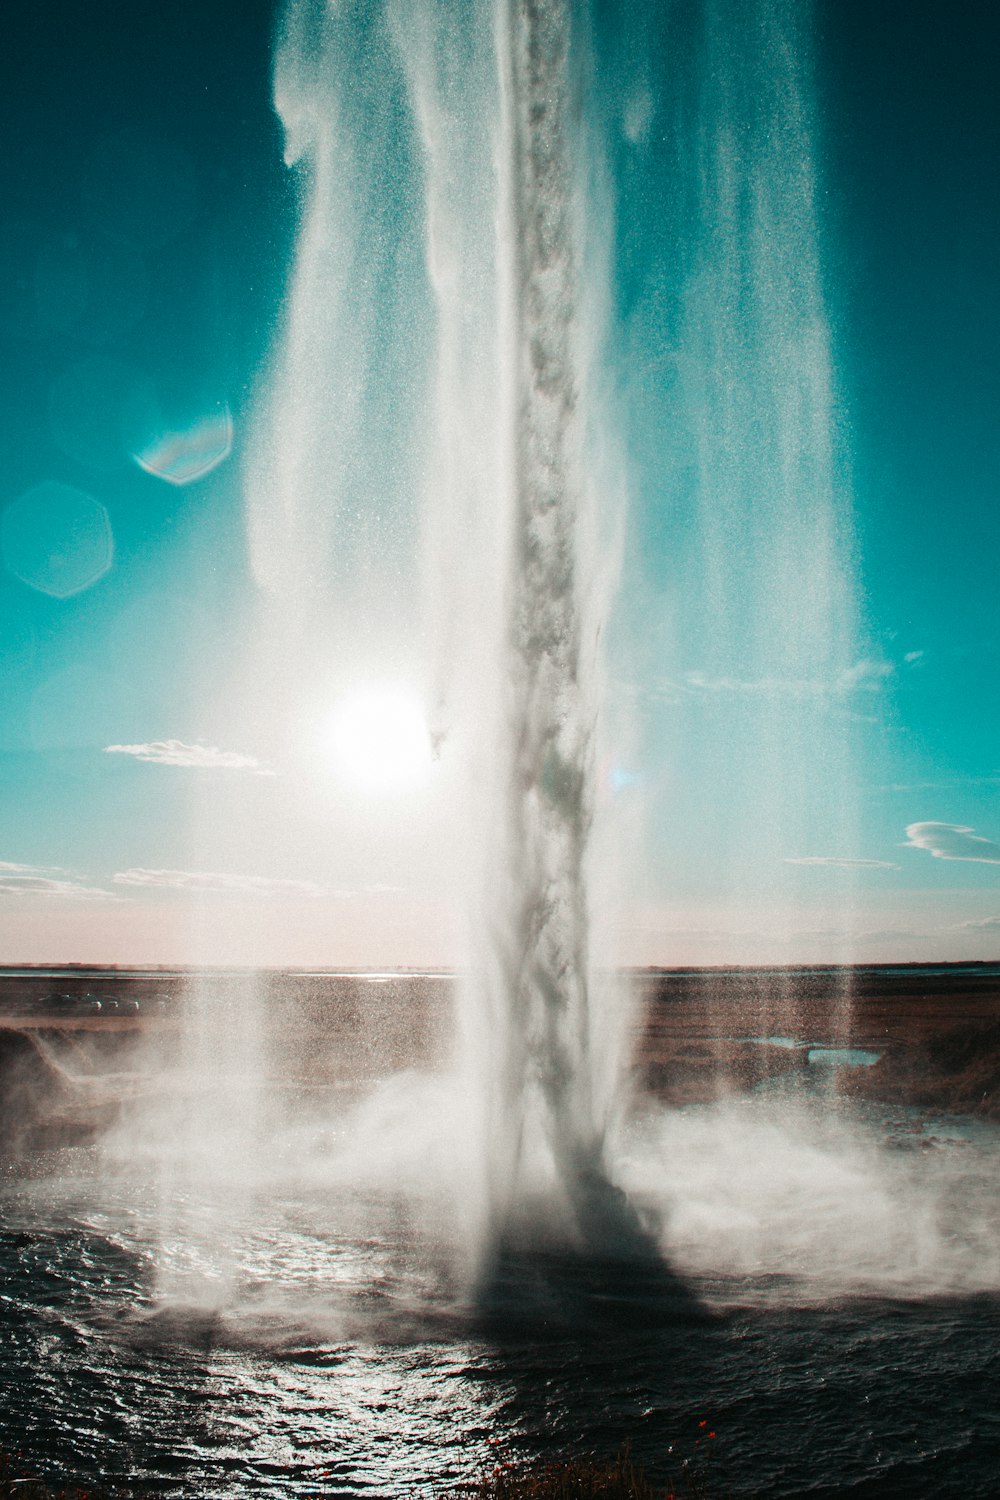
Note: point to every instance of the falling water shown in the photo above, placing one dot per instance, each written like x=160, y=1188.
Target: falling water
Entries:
x=513, y=512
x=545, y=1092
x=501, y=335
x=739, y=608
x=774, y=613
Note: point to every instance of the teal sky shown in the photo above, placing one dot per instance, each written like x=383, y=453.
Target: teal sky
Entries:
x=152, y=810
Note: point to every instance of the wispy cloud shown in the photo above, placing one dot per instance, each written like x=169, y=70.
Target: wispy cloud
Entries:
x=795, y=934
x=765, y=687
x=200, y=880
x=985, y=924
x=33, y=880
x=201, y=757
x=894, y=934
x=844, y=864
x=853, y=934
x=952, y=841
x=867, y=675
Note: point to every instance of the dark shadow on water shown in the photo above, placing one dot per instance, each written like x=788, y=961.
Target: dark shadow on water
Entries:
x=575, y=1292
x=568, y=1351
x=609, y=1273
x=182, y=1327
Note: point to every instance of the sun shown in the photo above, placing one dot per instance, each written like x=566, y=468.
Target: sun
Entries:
x=379, y=739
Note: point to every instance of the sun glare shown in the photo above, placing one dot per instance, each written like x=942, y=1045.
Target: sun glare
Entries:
x=379, y=738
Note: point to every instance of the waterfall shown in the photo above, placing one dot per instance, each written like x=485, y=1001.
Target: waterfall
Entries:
x=515, y=589
x=495, y=353
x=546, y=1094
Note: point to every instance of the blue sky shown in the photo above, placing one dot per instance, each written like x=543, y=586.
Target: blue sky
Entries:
x=155, y=808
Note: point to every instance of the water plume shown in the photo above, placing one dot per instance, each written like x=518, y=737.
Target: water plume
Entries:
x=518, y=505
x=331, y=474
x=511, y=527
x=545, y=1090
x=312, y=412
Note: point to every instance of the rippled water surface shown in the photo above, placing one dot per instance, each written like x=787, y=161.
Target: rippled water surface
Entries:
x=832, y=1315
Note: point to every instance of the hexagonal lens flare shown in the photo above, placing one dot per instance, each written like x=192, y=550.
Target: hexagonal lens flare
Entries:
x=56, y=539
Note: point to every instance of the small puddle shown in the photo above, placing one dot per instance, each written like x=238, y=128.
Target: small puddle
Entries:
x=776, y=1041
x=829, y=1057
x=841, y=1057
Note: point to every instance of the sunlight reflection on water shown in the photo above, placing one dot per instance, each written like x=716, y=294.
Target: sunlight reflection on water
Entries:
x=347, y=1356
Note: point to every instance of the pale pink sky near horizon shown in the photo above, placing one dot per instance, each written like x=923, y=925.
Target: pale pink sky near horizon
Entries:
x=397, y=929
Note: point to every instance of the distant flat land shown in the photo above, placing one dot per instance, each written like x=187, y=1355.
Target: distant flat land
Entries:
x=696, y=1033
x=936, y=1030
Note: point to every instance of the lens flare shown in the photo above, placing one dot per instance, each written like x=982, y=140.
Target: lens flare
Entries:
x=56, y=539
x=182, y=457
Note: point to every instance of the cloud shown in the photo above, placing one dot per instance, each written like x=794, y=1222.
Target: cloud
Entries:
x=985, y=924
x=845, y=864
x=768, y=687
x=952, y=841
x=893, y=934
x=866, y=675
x=201, y=881
x=849, y=934
x=202, y=757
x=793, y=935
x=20, y=884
